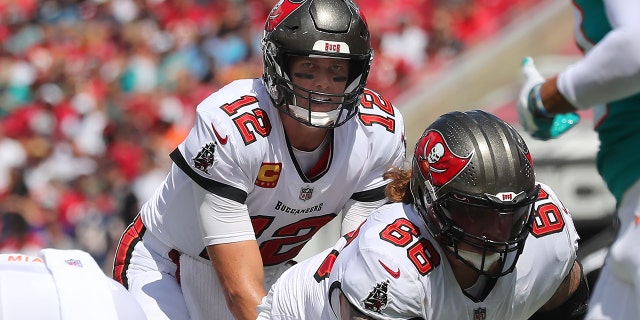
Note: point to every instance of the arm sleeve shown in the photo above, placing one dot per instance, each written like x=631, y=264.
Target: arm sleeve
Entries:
x=355, y=212
x=222, y=220
x=611, y=69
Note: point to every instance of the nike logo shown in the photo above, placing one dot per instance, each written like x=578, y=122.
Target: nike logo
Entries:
x=222, y=140
x=395, y=274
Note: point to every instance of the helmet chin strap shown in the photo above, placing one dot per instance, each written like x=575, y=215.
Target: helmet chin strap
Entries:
x=476, y=259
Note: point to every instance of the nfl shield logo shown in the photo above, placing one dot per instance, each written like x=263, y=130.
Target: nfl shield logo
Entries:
x=74, y=263
x=306, y=193
x=480, y=314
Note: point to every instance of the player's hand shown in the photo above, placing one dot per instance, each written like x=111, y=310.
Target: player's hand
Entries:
x=533, y=117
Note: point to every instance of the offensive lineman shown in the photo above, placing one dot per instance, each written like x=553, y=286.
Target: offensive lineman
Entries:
x=61, y=285
x=268, y=162
x=606, y=79
x=471, y=235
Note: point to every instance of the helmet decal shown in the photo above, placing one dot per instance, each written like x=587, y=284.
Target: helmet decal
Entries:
x=436, y=160
x=280, y=11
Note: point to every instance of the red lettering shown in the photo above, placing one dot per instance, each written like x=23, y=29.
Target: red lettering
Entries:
x=332, y=47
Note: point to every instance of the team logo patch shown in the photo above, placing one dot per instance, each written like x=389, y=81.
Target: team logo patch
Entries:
x=306, y=193
x=480, y=314
x=74, y=263
x=268, y=175
x=436, y=160
x=204, y=159
x=378, y=297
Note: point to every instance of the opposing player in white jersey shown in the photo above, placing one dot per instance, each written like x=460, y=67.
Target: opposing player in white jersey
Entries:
x=61, y=285
x=268, y=162
x=606, y=80
x=471, y=235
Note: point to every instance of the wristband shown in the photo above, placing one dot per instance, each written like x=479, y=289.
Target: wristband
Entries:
x=535, y=103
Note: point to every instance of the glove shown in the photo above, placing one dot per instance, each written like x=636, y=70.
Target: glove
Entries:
x=533, y=117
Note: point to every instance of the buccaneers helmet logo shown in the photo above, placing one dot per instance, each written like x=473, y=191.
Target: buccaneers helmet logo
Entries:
x=436, y=160
x=280, y=11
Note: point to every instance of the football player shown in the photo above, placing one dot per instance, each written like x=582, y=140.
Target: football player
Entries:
x=61, y=284
x=607, y=80
x=470, y=235
x=268, y=162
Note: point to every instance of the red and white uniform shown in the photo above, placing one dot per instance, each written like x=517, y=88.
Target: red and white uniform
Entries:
x=61, y=284
x=238, y=150
x=394, y=247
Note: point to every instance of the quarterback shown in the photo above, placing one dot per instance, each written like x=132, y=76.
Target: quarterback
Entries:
x=470, y=235
x=268, y=162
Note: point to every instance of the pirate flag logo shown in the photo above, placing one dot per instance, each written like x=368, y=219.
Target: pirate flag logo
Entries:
x=204, y=159
x=436, y=160
x=377, y=298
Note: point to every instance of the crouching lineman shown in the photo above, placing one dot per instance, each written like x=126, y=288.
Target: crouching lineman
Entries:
x=452, y=246
x=61, y=285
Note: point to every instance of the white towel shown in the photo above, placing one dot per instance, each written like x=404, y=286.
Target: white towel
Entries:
x=82, y=286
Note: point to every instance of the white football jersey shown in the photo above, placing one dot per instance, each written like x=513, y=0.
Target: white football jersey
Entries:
x=238, y=149
x=395, y=265
x=301, y=292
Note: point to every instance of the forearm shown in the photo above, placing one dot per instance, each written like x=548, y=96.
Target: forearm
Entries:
x=243, y=305
x=239, y=269
x=552, y=99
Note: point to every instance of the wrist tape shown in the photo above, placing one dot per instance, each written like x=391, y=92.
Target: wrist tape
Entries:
x=535, y=103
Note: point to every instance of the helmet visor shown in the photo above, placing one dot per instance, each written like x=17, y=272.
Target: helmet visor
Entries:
x=480, y=223
x=481, y=232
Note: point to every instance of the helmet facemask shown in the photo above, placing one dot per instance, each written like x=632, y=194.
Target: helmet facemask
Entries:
x=342, y=106
x=462, y=220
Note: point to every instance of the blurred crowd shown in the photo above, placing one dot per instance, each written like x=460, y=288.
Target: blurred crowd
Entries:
x=95, y=94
